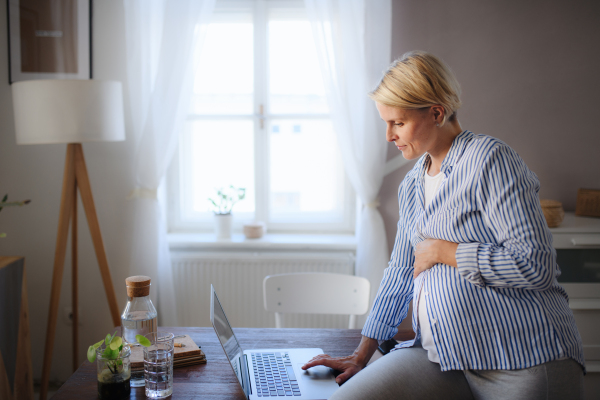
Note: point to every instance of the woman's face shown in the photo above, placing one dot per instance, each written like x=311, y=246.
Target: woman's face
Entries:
x=413, y=131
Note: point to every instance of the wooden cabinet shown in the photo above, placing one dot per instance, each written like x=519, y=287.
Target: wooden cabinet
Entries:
x=16, y=380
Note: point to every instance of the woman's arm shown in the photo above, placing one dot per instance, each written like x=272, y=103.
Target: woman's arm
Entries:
x=522, y=255
x=390, y=306
x=395, y=292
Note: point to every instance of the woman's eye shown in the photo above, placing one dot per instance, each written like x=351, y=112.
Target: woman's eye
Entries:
x=398, y=124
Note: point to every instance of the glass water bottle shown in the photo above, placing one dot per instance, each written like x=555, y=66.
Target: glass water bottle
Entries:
x=139, y=316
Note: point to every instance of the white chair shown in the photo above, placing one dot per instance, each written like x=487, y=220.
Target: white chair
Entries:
x=316, y=293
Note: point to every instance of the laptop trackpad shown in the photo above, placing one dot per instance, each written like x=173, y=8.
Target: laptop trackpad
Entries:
x=319, y=372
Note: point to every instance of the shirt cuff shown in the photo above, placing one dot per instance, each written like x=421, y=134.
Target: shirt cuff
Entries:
x=466, y=260
x=375, y=329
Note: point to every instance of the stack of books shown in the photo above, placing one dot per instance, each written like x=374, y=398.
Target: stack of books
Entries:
x=188, y=354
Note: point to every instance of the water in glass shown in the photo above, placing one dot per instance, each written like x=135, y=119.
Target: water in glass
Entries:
x=158, y=365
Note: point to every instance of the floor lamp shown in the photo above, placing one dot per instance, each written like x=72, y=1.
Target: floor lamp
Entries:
x=72, y=112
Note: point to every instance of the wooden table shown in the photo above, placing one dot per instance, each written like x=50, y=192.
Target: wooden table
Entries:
x=215, y=379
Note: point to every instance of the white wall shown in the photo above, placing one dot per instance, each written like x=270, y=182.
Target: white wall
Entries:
x=35, y=172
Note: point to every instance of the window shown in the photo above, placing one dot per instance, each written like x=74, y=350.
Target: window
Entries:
x=259, y=119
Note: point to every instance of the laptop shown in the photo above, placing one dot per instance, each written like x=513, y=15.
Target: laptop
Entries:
x=267, y=373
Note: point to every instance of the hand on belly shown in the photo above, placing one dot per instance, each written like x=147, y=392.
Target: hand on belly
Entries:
x=434, y=251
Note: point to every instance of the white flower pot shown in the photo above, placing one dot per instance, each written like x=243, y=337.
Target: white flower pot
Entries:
x=223, y=226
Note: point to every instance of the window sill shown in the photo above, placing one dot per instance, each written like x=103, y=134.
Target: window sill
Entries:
x=277, y=242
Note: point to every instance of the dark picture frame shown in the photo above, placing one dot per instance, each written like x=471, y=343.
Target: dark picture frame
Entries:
x=49, y=39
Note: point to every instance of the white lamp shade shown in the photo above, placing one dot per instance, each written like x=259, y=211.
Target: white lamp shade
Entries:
x=68, y=111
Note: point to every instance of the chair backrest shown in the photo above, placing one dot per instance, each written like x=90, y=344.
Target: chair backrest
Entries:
x=316, y=293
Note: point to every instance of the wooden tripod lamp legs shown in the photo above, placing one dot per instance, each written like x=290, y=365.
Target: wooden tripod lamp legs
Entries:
x=74, y=281
x=75, y=177
x=66, y=205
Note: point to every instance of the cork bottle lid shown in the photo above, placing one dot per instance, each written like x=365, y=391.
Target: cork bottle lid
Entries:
x=138, y=286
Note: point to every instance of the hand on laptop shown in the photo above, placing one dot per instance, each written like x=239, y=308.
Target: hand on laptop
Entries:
x=349, y=365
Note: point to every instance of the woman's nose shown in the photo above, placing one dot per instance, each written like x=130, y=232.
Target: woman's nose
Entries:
x=390, y=135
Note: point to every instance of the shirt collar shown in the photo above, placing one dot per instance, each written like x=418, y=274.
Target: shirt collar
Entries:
x=456, y=150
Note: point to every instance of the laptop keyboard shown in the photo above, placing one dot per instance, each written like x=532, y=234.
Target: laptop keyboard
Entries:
x=274, y=375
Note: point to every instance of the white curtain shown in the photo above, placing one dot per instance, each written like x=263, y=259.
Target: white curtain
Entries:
x=353, y=39
x=161, y=36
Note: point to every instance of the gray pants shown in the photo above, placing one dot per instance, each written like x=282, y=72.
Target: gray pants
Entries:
x=408, y=374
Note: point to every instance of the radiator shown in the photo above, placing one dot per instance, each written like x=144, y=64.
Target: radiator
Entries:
x=238, y=281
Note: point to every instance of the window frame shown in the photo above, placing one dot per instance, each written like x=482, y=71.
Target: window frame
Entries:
x=261, y=122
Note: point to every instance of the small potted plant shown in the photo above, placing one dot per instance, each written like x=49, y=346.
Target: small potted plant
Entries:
x=113, y=365
x=222, y=203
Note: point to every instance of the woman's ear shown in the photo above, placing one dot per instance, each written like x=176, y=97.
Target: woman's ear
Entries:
x=438, y=113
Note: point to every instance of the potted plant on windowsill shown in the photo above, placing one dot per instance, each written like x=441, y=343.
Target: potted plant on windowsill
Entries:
x=222, y=205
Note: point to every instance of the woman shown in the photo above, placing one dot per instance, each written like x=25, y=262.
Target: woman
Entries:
x=475, y=255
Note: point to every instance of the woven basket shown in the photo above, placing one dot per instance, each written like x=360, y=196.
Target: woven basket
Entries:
x=553, y=212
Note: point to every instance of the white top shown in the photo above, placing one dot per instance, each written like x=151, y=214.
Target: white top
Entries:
x=432, y=184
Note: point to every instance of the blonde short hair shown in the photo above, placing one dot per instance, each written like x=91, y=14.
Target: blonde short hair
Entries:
x=418, y=80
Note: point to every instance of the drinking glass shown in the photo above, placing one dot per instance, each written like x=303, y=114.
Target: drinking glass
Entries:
x=158, y=365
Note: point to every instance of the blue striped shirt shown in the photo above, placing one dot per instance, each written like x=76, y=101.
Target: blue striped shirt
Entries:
x=502, y=308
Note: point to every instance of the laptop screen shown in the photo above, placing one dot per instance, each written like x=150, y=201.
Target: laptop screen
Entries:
x=225, y=333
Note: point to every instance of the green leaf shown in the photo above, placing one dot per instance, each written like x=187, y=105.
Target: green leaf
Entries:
x=143, y=340
x=115, y=343
x=110, y=354
x=114, y=354
x=98, y=344
x=4, y=198
x=91, y=354
x=120, y=348
x=109, y=338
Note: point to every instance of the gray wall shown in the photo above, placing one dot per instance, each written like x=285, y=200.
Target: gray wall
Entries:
x=530, y=76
